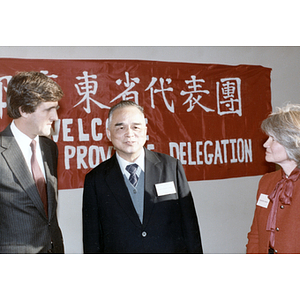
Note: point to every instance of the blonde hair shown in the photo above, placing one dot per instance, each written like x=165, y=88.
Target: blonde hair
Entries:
x=284, y=126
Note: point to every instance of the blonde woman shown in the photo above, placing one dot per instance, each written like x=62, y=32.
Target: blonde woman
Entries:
x=276, y=223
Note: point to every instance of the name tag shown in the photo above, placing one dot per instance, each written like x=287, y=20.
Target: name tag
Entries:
x=165, y=188
x=263, y=201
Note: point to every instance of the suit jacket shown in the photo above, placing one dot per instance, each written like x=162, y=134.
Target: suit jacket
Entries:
x=110, y=221
x=24, y=227
x=287, y=235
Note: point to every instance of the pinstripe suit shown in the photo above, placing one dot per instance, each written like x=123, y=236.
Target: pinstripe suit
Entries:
x=24, y=227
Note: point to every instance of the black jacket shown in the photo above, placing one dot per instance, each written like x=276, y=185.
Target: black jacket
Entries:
x=111, y=224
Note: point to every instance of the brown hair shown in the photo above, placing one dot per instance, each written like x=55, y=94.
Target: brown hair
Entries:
x=26, y=90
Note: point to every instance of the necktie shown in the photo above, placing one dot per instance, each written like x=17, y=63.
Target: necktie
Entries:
x=38, y=176
x=133, y=178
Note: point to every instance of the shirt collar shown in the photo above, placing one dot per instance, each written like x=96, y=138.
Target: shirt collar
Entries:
x=140, y=161
x=21, y=138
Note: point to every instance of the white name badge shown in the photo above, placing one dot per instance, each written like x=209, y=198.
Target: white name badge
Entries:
x=263, y=201
x=165, y=188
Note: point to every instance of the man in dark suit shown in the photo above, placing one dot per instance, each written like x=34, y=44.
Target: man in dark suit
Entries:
x=28, y=180
x=138, y=201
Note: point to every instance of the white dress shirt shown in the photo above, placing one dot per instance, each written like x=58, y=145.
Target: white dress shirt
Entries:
x=24, y=143
x=140, y=161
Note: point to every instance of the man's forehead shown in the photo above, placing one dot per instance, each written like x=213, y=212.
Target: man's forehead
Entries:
x=127, y=122
x=128, y=116
x=127, y=109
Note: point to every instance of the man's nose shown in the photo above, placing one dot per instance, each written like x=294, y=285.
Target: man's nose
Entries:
x=54, y=115
x=129, y=131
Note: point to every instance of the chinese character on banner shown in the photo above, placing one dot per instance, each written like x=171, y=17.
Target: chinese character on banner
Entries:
x=170, y=107
x=125, y=95
x=3, y=88
x=229, y=96
x=196, y=90
x=50, y=76
x=85, y=88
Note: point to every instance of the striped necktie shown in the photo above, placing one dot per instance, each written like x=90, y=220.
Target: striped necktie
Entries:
x=133, y=178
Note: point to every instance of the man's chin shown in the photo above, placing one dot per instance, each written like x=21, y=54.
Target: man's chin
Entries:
x=46, y=133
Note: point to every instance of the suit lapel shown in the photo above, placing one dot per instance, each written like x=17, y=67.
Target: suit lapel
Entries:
x=116, y=183
x=153, y=172
x=16, y=162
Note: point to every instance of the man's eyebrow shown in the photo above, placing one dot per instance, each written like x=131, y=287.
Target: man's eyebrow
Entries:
x=122, y=123
x=53, y=106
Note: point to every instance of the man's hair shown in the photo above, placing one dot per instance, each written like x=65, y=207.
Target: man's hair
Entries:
x=284, y=126
x=122, y=104
x=26, y=90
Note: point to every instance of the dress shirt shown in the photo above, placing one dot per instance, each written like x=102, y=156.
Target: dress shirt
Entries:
x=24, y=143
x=140, y=161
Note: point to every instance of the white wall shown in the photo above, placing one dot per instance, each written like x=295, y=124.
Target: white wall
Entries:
x=225, y=207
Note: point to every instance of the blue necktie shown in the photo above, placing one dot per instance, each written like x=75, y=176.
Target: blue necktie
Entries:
x=133, y=178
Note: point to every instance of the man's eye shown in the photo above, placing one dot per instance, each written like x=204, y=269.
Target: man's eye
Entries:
x=53, y=108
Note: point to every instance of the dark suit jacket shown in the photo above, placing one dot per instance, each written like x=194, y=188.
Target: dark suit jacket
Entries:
x=24, y=227
x=111, y=224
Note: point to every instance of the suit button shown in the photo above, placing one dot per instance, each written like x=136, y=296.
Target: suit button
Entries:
x=144, y=233
x=282, y=206
x=277, y=229
x=51, y=249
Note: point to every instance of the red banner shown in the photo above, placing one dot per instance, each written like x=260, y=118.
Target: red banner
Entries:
x=206, y=115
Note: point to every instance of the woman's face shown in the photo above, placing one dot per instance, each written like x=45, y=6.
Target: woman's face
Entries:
x=275, y=152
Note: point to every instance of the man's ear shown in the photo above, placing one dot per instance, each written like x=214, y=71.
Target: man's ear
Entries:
x=22, y=113
x=108, y=134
